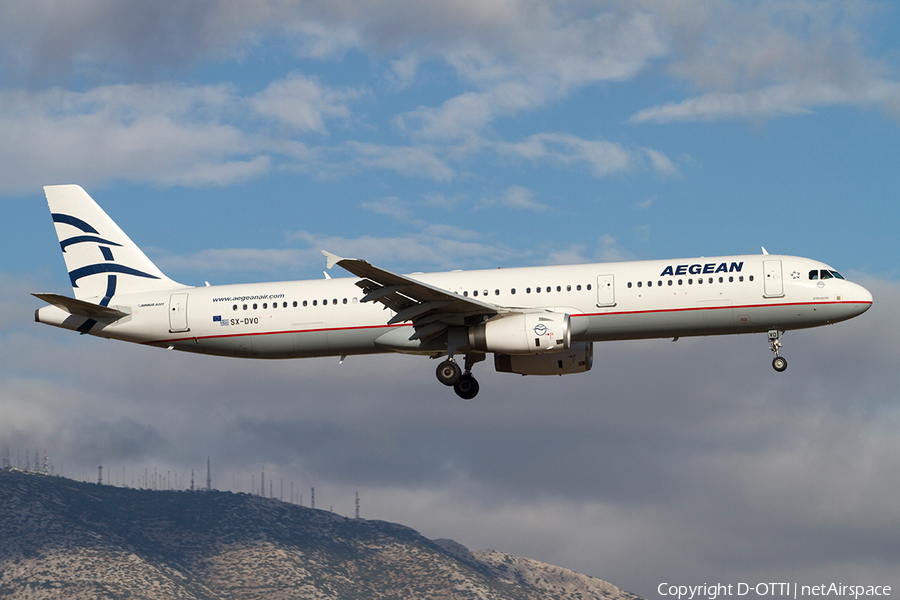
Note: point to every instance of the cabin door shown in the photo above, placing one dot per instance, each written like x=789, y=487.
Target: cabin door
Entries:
x=774, y=285
x=178, y=313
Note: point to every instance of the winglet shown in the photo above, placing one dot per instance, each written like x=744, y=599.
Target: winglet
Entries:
x=332, y=259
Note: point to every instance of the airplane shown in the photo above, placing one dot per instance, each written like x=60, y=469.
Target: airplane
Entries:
x=533, y=320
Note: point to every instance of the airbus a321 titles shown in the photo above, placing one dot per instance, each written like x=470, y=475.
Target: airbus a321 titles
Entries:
x=534, y=320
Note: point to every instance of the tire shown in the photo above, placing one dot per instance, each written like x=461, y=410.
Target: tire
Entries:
x=466, y=388
x=448, y=372
x=779, y=363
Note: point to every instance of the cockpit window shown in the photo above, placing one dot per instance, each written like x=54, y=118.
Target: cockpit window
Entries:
x=824, y=274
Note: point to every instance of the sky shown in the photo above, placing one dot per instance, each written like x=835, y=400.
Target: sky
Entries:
x=234, y=140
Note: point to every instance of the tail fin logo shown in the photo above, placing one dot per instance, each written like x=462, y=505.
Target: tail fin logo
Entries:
x=105, y=247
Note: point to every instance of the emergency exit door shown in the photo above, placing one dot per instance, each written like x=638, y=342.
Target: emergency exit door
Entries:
x=606, y=290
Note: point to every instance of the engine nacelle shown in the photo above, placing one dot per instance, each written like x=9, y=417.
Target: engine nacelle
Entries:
x=522, y=333
x=579, y=358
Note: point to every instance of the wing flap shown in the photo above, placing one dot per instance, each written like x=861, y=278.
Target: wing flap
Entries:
x=430, y=309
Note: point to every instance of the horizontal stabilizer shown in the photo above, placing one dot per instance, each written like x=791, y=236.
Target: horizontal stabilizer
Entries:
x=80, y=307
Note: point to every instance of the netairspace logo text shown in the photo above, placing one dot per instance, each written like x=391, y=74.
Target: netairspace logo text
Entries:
x=777, y=589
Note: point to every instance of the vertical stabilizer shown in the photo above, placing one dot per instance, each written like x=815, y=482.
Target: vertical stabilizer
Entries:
x=102, y=261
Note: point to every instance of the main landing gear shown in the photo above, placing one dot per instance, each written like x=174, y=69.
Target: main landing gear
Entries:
x=779, y=363
x=464, y=384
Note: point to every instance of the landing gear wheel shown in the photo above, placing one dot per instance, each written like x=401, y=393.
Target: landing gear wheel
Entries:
x=448, y=372
x=466, y=388
x=779, y=363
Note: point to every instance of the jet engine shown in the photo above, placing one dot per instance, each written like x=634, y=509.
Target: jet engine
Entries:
x=522, y=333
x=579, y=358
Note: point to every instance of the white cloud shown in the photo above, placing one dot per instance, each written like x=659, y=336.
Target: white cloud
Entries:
x=516, y=197
x=434, y=248
x=601, y=156
x=136, y=132
x=769, y=59
x=302, y=102
x=661, y=163
x=268, y=260
x=414, y=161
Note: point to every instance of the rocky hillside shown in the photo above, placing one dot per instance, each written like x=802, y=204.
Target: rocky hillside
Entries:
x=65, y=539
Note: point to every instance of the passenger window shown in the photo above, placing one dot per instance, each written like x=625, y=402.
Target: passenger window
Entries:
x=659, y=283
x=475, y=293
x=639, y=284
x=345, y=301
x=699, y=280
x=670, y=283
x=245, y=307
x=681, y=282
x=559, y=288
x=751, y=278
x=731, y=279
x=588, y=287
x=690, y=282
x=721, y=279
x=527, y=290
x=496, y=292
x=537, y=290
x=513, y=291
x=315, y=302
x=235, y=307
x=569, y=287
x=578, y=288
x=629, y=285
x=649, y=284
x=255, y=306
x=304, y=303
x=265, y=305
x=466, y=294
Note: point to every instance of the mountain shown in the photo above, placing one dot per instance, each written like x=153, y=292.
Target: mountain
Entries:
x=61, y=538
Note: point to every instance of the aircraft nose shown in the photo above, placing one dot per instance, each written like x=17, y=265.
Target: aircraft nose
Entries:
x=861, y=297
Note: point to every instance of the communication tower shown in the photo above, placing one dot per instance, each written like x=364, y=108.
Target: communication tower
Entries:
x=312, y=498
x=100, y=475
x=208, y=476
x=357, y=506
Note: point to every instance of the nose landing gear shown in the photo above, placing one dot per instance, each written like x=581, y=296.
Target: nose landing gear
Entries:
x=779, y=363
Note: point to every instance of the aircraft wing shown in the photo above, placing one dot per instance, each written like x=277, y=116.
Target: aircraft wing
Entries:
x=430, y=309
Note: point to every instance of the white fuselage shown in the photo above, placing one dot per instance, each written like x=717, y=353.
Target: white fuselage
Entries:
x=606, y=301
